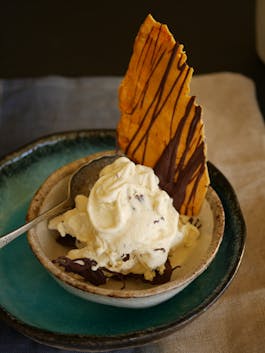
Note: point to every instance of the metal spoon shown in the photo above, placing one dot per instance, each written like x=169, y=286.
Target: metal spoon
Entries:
x=80, y=182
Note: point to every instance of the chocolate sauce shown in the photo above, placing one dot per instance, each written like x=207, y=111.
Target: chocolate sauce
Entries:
x=165, y=276
x=84, y=267
x=67, y=241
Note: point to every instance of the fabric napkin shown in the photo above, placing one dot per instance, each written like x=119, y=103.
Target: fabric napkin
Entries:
x=234, y=130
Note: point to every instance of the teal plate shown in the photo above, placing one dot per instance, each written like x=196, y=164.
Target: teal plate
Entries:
x=34, y=304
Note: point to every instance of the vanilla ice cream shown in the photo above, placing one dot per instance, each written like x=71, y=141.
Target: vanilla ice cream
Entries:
x=127, y=224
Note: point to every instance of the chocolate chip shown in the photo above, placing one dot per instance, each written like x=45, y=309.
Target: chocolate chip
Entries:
x=125, y=257
x=140, y=197
x=160, y=249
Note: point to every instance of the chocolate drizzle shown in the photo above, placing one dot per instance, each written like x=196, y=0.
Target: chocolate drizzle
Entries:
x=175, y=178
x=157, y=103
x=160, y=79
x=85, y=268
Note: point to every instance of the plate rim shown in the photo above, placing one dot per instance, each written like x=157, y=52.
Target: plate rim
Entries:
x=98, y=343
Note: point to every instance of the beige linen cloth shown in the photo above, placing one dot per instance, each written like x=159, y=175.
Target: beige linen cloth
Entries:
x=235, y=135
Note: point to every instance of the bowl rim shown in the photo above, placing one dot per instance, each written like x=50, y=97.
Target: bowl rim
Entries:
x=85, y=286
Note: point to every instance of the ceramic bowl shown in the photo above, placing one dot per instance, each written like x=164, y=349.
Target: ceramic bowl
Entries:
x=136, y=294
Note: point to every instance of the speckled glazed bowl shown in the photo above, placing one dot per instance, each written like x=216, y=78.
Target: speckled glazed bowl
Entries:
x=136, y=294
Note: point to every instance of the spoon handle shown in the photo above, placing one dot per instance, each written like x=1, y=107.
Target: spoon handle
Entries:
x=60, y=208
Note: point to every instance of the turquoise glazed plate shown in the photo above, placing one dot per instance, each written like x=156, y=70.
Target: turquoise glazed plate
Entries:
x=34, y=304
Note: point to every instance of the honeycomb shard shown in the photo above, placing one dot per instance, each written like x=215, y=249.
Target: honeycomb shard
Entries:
x=160, y=124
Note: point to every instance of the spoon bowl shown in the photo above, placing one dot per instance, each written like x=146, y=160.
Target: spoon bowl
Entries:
x=83, y=180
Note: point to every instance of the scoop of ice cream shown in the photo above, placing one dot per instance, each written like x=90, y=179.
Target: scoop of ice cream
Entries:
x=127, y=224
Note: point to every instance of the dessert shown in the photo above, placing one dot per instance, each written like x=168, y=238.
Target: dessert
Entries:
x=130, y=223
x=126, y=226
x=160, y=124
